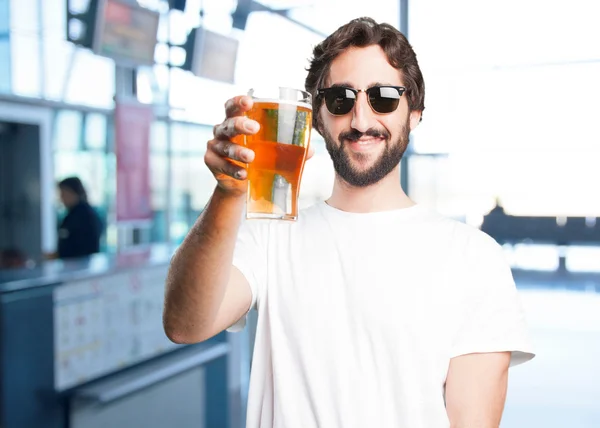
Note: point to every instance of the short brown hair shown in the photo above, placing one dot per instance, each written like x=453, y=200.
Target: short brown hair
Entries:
x=363, y=32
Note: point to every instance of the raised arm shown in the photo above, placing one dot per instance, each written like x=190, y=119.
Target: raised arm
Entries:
x=204, y=293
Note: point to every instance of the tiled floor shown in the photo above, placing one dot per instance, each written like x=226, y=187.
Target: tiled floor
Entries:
x=560, y=388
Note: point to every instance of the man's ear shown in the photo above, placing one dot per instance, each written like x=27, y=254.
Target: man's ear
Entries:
x=415, y=118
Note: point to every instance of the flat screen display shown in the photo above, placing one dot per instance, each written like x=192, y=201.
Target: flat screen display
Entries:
x=126, y=32
x=212, y=56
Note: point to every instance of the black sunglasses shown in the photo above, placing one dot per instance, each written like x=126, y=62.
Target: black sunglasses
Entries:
x=340, y=100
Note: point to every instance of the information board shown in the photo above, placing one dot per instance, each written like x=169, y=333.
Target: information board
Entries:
x=104, y=324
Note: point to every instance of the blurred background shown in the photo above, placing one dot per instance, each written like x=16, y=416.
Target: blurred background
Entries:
x=123, y=94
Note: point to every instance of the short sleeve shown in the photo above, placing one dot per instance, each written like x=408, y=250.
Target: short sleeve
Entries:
x=493, y=317
x=250, y=257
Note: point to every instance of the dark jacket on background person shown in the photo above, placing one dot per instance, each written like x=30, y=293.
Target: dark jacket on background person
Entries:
x=79, y=233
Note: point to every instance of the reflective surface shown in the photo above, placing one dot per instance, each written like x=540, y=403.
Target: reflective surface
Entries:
x=560, y=387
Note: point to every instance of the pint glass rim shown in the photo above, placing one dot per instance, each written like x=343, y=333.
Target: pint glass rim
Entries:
x=304, y=100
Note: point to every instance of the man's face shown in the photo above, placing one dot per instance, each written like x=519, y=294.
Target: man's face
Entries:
x=365, y=146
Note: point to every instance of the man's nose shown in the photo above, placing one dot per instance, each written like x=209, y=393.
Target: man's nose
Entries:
x=361, y=113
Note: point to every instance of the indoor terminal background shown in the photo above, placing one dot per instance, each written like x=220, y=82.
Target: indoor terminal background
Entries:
x=509, y=142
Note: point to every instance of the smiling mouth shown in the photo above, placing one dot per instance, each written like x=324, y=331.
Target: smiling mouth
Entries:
x=369, y=140
x=366, y=141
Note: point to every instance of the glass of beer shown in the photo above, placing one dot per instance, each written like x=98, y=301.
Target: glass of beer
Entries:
x=280, y=147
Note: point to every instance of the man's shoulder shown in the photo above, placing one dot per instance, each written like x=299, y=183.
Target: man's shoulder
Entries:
x=464, y=236
x=477, y=238
x=311, y=211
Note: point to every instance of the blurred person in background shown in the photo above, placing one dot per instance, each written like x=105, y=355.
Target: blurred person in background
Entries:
x=80, y=231
x=373, y=311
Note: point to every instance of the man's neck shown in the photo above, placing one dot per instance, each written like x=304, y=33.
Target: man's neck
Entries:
x=384, y=195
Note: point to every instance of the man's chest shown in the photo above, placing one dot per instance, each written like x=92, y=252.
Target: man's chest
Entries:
x=333, y=296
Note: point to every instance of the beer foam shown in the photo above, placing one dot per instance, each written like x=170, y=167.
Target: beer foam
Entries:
x=288, y=102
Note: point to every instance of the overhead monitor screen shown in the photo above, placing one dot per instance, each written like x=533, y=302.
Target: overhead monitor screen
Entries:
x=126, y=32
x=212, y=56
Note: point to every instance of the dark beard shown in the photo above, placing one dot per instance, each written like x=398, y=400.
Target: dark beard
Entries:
x=388, y=160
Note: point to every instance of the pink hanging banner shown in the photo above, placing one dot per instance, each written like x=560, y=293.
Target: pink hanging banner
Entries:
x=132, y=146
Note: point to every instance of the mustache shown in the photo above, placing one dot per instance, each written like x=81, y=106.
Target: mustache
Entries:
x=354, y=135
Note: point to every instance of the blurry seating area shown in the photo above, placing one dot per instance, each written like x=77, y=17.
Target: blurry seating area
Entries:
x=512, y=229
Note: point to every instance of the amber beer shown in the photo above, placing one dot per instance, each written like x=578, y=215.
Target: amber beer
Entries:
x=280, y=148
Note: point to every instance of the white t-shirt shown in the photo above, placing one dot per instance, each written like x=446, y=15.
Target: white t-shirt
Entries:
x=360, y=314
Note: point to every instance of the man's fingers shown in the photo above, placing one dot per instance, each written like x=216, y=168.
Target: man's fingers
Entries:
x=221, y=167
x=229, y=150
x=238, y=105
x=234, y=126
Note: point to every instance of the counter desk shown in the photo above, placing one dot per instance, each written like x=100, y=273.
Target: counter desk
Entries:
x=82, y=346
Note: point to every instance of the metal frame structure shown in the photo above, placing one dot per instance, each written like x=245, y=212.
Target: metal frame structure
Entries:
x=245, y=7
x=404, y=163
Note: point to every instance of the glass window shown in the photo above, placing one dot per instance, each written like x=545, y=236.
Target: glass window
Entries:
x=67, y=130
x=90, y=167
x=179, y=27
x=162, y=34
x=80, y=149
x=5, y=72
x=25, y=48
x=24, y=16
x=59, y=55
x=217, y=13
x=327, y=16
x=5, y=79
x=159, y=180
x=283, y=54
x=161, y=53
x=95, y=131
x=54, y=18
x=4, y=17
x=191, y=181
x=159, y=142
x=26, y=66
x=91, y=80
x=73, y=74
x=199, y=100
x=153, y=84
x=514, y=111
x=202, y=182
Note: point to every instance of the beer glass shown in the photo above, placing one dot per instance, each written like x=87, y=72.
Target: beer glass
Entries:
x=280, y=147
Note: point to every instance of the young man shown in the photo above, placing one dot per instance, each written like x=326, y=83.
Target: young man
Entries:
x=372, y=310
